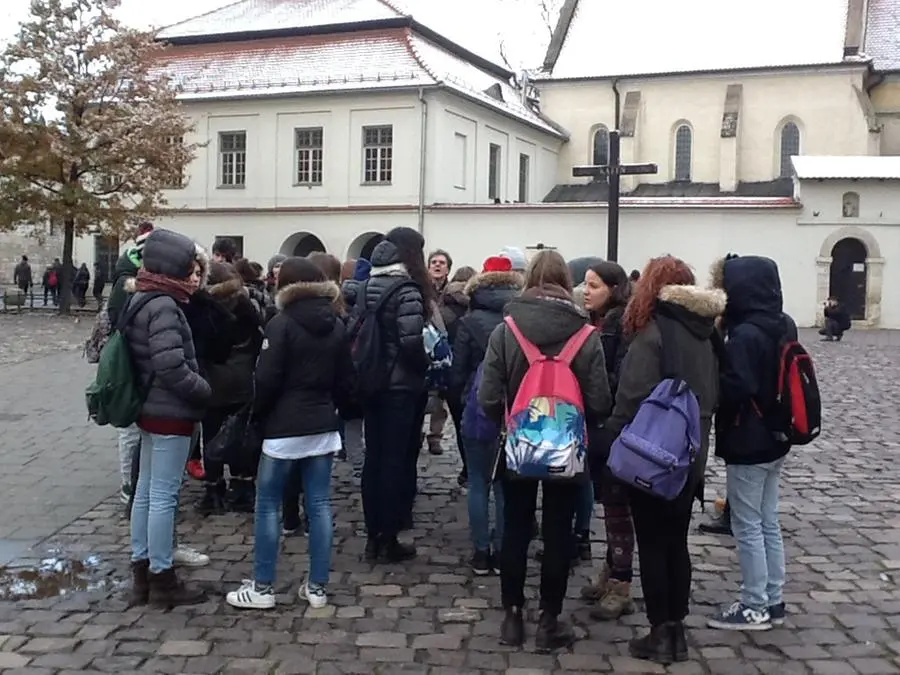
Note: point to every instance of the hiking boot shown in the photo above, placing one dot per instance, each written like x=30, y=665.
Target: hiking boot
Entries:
x=481, y=563
x=242, y=495
x=679, y=641
x=213, y=501
x=434, y=446
x=166, y=591
x=395, y=552
x=596, y=588
x=512, y=630
x=582, y=546
x=615, y=603
x=655, y=646
x=552, y=634
x=140, y=582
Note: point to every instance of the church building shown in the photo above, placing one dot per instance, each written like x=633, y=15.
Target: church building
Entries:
x=775, y=128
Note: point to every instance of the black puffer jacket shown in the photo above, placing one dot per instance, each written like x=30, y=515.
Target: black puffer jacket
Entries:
x=160, y=338
x=614, y=345
x=754, y=324
x=488, y=294
x=232, y=379
x=304, y=370
x=402, y=319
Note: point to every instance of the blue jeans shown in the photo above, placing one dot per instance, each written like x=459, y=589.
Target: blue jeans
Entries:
x=156, y=498
x=584, y=508
x=270, y=482
x=753, y=496
x=480, y=462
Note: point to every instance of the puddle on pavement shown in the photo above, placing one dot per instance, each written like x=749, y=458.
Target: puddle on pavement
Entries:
x=54, y=576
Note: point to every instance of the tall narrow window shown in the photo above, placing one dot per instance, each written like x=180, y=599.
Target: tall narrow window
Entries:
x=683, y=151
x=308, y=144
x=850, y=208
x=524, y=177
x=106, y=252
x=233, y=159
x=176, y=180
x=460, y=151
x=600, y=155
x=378, y=154
x=790, y=146
x=494, y=160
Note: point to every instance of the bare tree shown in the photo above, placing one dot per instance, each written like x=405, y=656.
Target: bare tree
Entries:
x=113, y=137
x=542, y=15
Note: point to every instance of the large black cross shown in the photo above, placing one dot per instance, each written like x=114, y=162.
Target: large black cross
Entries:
x=612, y=171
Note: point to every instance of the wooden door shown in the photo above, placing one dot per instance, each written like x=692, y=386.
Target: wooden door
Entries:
x=848, y=276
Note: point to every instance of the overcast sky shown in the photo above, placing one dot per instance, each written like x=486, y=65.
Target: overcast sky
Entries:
x=473, y=23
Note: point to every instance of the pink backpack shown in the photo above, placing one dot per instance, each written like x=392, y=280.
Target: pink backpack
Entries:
x=546, y=432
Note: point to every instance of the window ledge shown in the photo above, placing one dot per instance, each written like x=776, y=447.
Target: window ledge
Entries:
x=308, y=185
x=376, y=183
x=231, y=187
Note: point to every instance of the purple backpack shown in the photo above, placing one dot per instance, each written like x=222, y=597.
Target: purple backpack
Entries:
x=475, y=424
x=655, y=452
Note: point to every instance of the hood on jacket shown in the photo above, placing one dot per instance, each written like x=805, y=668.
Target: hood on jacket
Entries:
x=228, y=291
x=312, y=304
x=546, y=320
x=753, y=286
x=455, y=294
x=694, y=307
x=493, y=290
x=362, y=270
x=173, y=255
x=385, y=253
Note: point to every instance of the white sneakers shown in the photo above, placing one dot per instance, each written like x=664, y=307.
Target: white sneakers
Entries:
x=314, y=594
x=247, y=597
x=184, y=556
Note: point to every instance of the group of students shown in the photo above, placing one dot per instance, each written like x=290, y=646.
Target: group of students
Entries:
x=305, y=385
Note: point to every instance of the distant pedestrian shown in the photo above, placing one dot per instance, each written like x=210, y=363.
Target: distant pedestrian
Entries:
x=81, y=283
x=99, y=283
x=22, y=275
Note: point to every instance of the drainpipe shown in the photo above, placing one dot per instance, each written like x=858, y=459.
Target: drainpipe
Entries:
x=423, y=153
x=618, y=100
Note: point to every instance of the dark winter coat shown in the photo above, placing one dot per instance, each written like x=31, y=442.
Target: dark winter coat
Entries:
x=548, y=323
x=231, y=379
x=839, y=315
x=689, y=315
x=305, y=371
x=161, y=342
x=754, y=325
x=615, y=345
x=22, y=275
x=401, y=319
x=488, y=293
x=454, y=303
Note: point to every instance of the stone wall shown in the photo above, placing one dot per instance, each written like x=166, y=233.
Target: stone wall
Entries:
x=38, y=244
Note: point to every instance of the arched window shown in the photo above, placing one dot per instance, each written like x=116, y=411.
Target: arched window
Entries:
x=790, y=145
x=850, y=207
x=683, y=150
x=600, y=155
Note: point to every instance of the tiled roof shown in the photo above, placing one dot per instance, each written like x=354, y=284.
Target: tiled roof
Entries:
x=362, y=60
x=847, y=167
x=606, y=39
x=250, y=16
x=883, y=34
x=598, y=191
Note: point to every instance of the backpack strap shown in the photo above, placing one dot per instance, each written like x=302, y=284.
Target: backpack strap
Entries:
x=531, y=352
x=574, y=345
x=388, y=292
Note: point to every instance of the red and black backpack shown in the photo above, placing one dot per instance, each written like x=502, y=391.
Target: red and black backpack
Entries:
x=797, y=412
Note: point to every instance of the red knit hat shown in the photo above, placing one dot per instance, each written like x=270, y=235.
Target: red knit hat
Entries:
x=497, y=263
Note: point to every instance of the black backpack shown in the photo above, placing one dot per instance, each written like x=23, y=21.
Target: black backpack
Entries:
x=367, y=345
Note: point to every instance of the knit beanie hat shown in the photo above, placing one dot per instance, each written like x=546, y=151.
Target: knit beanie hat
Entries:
x=406, y=238
x=144, y=230
x=497, y=263
x=516, y=257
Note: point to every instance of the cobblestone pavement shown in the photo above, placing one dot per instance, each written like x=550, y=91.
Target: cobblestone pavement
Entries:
x=841, y=518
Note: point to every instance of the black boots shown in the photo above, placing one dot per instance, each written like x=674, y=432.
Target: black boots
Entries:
x=512, y=630
x=582, y=547
x=552, y=634
x=213, y=501
x=388, y=550
x=242, y=495
x=140, y=582
x=664, y=644
x=166, y=591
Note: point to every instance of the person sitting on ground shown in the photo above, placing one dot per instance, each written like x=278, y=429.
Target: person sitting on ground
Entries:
x=837, y=321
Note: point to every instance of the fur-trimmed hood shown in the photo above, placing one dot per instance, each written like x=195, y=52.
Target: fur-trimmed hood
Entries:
x=307, y=289
x=492, y=291
x=705, y=302
x=228, y=290
x=494, y=280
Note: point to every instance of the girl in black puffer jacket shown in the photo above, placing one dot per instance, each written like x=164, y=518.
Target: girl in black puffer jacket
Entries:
x=488, y=292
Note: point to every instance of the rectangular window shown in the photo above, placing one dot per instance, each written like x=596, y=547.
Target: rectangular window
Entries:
x=524, y=177
x=494, y=159
x=378, y=155
x=308, y=144
x=232, y=159
x=176, y=181
x=459, y=149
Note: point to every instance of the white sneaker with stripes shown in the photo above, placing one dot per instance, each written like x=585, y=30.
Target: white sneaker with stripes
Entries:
x=248, y=597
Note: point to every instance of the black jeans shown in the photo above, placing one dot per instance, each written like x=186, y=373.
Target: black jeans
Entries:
x=661, y=529
x=520, y=501
x=393, y=423
x=212, y=423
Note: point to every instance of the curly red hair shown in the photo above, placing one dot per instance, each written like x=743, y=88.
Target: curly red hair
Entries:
x=663, y=271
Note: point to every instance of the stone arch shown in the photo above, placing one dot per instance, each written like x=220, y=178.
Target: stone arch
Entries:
x=301, y=244
x=364, y=244
x=874, y=271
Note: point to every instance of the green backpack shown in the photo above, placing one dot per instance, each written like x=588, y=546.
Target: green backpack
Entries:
x=115, y=397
